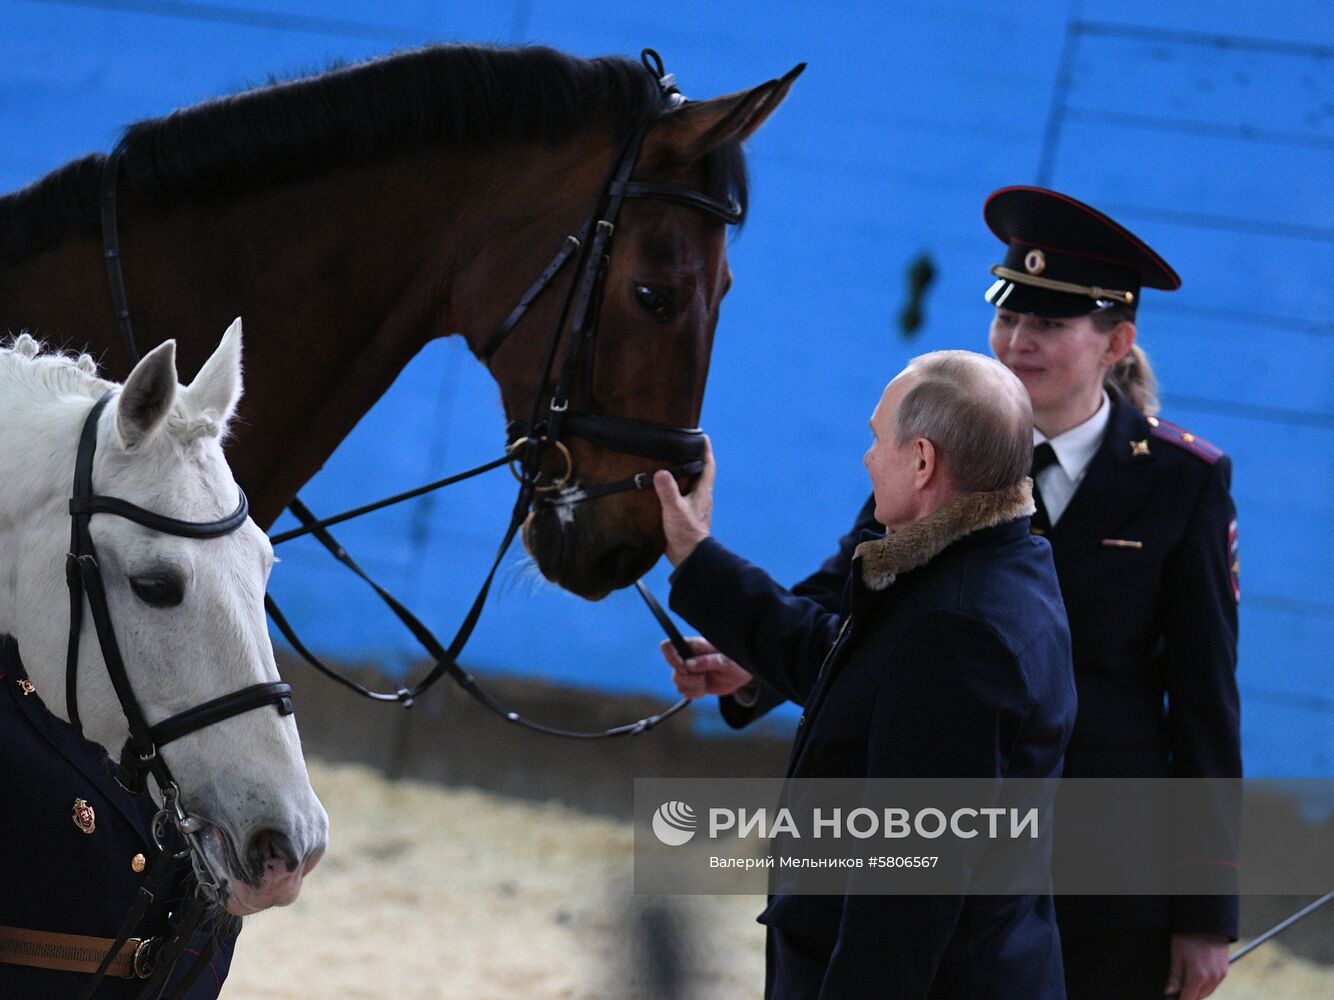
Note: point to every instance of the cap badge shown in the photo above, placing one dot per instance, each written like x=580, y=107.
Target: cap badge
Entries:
x=1035, y=261
x=1139, y=449
x=84, y=817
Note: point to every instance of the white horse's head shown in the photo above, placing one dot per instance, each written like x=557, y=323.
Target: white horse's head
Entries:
x=188, y=613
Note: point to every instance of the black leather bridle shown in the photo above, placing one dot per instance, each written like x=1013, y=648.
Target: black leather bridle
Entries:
x=591, y=248
x=141, y=754
x=550, y=421
x=84, y=576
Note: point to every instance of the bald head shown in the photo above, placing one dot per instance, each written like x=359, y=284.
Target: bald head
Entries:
x=975, y=412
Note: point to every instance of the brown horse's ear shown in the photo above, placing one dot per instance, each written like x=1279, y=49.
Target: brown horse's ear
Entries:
x=699, y=127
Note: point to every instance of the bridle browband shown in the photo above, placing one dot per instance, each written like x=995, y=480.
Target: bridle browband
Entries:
x=141, y=753
x=681, y=446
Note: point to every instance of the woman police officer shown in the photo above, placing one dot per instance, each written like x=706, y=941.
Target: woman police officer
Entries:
x=1143, y=531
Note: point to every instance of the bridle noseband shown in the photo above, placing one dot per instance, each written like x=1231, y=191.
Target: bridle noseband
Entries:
x=140, y=754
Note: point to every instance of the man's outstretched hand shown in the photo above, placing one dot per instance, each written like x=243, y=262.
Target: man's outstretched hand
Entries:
x=685, y=519
x=706, y=672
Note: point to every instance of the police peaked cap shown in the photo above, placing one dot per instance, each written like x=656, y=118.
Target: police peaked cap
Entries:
x=1065, y=258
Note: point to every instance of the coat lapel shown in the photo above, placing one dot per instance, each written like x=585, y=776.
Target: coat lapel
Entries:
x=1118, y=478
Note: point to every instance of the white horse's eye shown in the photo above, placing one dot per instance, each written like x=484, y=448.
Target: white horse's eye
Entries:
x=160, y=590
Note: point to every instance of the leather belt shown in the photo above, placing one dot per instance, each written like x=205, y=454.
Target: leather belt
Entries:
x=75, y=952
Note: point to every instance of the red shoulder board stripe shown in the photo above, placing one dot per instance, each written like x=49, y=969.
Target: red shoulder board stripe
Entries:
x=1185, y=440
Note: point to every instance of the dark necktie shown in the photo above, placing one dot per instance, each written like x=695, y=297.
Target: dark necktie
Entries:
x=1043, y=456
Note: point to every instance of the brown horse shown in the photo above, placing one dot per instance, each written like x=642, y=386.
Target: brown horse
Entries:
x=353, y=216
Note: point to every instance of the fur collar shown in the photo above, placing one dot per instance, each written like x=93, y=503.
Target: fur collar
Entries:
x=883, y=559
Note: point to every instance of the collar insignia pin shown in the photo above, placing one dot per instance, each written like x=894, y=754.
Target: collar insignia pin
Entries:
x=26, y=686
x=1139, y=449
x=84, y=817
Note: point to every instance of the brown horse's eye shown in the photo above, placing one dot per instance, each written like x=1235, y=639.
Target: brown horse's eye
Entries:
x=657, y=301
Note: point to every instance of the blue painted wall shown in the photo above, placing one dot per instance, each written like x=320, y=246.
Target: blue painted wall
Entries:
x=1208, y=128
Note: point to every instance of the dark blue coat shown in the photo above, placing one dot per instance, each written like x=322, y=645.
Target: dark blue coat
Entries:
x=58, y=878
x=958, y=668
x=1154, y=633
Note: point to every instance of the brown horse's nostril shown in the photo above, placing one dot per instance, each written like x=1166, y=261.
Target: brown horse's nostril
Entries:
x=270, y=847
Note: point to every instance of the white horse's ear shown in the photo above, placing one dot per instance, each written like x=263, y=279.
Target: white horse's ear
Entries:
x=217, y=388
x=147, y=396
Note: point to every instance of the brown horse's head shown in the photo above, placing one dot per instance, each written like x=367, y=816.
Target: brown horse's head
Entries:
x=648, y=359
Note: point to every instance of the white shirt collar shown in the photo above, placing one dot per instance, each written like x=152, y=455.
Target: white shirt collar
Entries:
x=1077, y=446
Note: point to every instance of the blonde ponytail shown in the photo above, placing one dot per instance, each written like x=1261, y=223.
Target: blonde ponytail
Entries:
x=1133, y=376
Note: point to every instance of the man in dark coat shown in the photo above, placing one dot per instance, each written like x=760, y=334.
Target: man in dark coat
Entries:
x=1144, y=535
x=78, y=848
x=949, y=658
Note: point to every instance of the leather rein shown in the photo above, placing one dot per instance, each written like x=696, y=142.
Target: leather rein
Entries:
x=551, y=421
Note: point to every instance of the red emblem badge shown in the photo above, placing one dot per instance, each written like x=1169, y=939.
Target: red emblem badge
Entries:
x=84, y=817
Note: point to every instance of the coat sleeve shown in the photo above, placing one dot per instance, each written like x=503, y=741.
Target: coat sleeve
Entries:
x=824, y=587
x=1204, y=728
x=951, y=706
x=738, y=607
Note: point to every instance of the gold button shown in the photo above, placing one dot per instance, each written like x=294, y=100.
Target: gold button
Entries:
x=1188, y=437
x=138, y=863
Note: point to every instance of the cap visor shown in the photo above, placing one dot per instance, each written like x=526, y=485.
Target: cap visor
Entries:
x=1019, y=298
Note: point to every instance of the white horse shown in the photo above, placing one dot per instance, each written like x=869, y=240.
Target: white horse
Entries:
x=188, y=612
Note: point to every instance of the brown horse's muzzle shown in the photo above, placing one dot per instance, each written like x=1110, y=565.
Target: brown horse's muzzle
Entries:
x=597, y=546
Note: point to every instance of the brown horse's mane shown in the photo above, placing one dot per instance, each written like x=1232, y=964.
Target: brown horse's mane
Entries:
x=452, y=95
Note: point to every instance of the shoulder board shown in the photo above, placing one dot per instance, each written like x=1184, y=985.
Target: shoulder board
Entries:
x=1164, y=430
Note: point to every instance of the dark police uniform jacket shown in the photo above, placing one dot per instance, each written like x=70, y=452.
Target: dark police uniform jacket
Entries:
x=950, y=659
x=1146, y=554
x=58, y=878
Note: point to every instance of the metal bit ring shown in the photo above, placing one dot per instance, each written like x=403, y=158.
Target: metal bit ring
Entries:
x=560, y=482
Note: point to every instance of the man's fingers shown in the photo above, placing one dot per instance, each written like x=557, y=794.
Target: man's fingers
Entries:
x=670, y=654
x=689, y=685
x=1175, y=974
x=710, y=470
x=669, y=494
x=706, y=663
x=700, y=645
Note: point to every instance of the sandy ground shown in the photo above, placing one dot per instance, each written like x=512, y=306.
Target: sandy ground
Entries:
x=429, y=892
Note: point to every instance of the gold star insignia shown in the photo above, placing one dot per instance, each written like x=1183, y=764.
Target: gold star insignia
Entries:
x=1139, y=449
